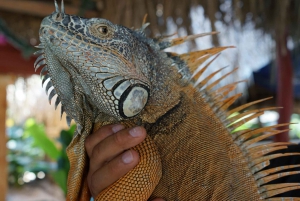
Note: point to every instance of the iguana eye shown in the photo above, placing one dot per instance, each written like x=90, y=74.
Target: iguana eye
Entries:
x=100, y=29
x=103, y=29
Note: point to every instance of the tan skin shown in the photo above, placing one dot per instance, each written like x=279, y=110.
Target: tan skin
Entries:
x=109, y=156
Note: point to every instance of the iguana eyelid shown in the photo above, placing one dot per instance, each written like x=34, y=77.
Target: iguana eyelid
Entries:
x=103, y=29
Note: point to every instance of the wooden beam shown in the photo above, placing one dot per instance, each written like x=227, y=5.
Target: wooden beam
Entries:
x=4, y=81
x=12, y=61
x=285, y=93
x=39, y=8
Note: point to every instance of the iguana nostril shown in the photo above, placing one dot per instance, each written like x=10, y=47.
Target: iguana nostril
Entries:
x=59, y=16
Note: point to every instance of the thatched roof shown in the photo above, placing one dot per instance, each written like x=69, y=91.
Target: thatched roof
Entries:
x=276, y=17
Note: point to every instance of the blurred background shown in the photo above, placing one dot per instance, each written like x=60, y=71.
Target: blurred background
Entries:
x=33, y=136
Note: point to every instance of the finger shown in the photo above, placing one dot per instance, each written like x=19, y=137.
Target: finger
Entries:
x=112, y=171
x=99, y=135
x=115, y=144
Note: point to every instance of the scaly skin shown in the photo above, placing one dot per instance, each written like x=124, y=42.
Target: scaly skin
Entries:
x=104, y=73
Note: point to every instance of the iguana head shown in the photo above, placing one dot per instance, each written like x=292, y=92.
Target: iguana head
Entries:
x=111, y=67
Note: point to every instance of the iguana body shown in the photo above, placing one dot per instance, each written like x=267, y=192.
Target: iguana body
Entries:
x=105, y=73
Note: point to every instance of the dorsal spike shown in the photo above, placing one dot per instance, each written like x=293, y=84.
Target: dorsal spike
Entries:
x=264, y=136
x=161, y=38
x=56, y=6
x=48, y=86
x=46, y=77
x=265, y=152
x=62, y=110
x=180, y=40
x=44, y=70
x=62, y=7
x=267, y=172
x=191, y=56
x=241, y=115
x=209, y=87
x=223, y=91
x=52, y=93
x=283, y=199
x=39, y=52
x=228, y=102
x=42, y=63
x=205, y=81
x=40, y=58
x=256, y=131
x=40, y=46
x=145, y=26
x=272, y=177
x=259, y=166
x=197, y=75
x=272, y=193
x=270, y=157
x=246, y=105
x=68, y=119
x=221, y=95
x=194, y=65
x=269, y=187
x=243, y=121
x=145, y=19
x=264, y=146
x=236, y=133
x=57, y=101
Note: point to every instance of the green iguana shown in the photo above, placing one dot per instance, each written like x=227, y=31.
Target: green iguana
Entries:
x=105, y=73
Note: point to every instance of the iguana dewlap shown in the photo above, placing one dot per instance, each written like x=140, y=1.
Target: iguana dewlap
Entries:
x=104, y=73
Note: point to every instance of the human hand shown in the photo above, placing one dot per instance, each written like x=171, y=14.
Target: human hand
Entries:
x=109, y=156
x=109, y=159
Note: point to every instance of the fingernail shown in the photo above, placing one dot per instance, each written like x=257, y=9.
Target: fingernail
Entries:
x=117, y=128
x=135, y=132
x=127, y=157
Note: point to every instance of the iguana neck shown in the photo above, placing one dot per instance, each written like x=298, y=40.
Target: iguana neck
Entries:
x=193, y=115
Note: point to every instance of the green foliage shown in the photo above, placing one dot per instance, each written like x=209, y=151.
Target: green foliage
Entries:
x=295, y=127
x=63, y=166
x=37, y=132
x=28, y=147
x=60, y=177
x=23, y=156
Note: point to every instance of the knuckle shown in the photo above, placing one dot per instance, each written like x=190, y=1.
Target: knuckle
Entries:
x=96, y=152
x=95, y=185
x=115, y=169
x=102, y=131
x=87, y=142
x=119, y=140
